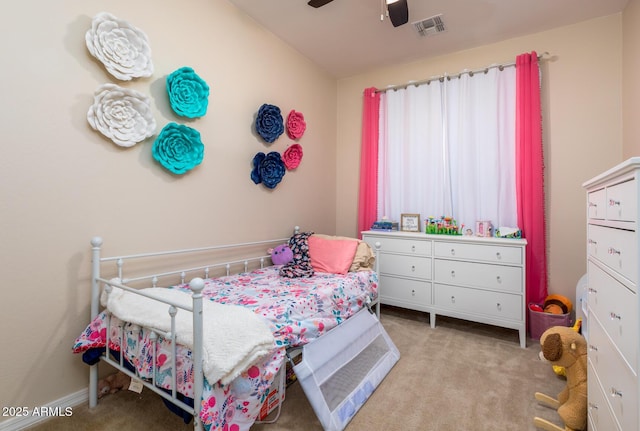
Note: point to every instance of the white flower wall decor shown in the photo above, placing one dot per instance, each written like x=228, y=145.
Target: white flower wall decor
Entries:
x=122, y=115
x=122, y=48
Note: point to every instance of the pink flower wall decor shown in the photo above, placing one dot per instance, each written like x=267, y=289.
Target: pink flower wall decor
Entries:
x=292, y=156
x=295, y=125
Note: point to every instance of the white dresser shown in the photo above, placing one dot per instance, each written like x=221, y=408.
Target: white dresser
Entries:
x=471, y=278
x=612, y=299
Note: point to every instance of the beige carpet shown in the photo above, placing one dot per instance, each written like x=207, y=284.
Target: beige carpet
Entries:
x=459, y=376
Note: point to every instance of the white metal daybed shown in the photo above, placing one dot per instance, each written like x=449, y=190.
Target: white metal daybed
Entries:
x=172, y=347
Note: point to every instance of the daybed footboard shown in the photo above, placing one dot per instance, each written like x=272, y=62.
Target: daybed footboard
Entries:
x=196, y=285
x=172, y=309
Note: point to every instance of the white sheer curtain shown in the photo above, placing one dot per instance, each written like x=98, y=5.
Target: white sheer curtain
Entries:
x=447, y=148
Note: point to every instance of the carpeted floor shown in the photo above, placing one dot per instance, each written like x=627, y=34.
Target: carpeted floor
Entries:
x=460, y=376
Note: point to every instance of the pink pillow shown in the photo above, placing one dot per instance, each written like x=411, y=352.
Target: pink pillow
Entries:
x=332, y=255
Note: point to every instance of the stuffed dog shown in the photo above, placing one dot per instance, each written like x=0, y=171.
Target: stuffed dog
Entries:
x=563, y=346
x=113, y=383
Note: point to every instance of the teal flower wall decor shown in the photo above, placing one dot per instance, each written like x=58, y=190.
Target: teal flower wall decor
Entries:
x=178, y=148
x=269, y=124
x=188, y=93
x=268, y=169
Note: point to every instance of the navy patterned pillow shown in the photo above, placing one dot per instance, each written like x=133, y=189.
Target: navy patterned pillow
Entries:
x=300, y=266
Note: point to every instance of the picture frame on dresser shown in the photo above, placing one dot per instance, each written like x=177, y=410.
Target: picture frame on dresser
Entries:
x=410, y=222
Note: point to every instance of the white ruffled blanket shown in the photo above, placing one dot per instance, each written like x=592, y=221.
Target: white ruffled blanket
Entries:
x=233, y=336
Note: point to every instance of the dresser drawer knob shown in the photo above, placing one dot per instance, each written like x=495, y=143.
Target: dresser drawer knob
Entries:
x=453, y=299
x=594, y=205
x=453, y=273
x=593, y=406
x=413, y=248
x=498, y=256
x=615, y=316
x=413, y=292
x=613, y=203
x=453, y=252
x=612, y=250
x=592, y=242
x=499, y=279
x=615, y=392
x=499, y=306
x=592, y=290
x=593, y=348
x=413, y=268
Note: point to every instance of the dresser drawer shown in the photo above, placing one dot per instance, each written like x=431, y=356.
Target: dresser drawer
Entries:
x=484, y=252
x=600, y=416
x=596, y=204
x=403, y=292
x=400, y=245
x=496, y=277
x=614, y=305
x=407, y=266
x=618, y=382
x=463, y=300
x=616, y=248
x=622, y=201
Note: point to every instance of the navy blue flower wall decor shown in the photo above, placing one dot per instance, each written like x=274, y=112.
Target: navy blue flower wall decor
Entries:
x=269, y=123
x=268, y=169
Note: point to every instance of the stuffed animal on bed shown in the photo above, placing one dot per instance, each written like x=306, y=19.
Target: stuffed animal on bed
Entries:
x=565, y=347
x=281, y=255
x=113, y=383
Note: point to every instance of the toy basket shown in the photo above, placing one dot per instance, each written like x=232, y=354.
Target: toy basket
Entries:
x=541, y=321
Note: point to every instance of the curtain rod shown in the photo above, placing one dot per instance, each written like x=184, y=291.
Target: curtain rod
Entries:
x=441, y=78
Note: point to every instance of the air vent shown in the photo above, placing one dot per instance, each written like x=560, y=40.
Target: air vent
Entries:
x=429, y=26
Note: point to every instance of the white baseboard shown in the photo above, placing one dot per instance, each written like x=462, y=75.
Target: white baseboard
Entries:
x=33, y=415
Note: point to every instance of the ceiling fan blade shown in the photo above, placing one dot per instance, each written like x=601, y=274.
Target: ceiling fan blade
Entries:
x=398, y=12
x=318, y=3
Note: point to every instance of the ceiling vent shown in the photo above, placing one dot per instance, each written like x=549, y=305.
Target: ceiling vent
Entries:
x=429, y=26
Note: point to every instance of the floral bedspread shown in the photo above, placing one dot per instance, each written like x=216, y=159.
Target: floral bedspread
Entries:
x=298, y=310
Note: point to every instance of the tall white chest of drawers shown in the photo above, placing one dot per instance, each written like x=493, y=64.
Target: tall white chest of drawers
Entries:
x=613, y=307
x=471, y=278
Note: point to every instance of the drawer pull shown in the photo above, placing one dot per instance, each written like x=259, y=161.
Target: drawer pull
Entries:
x=613, y=203
x=453, y=252
x=615, y=316
x=612, y=250
x=498, y=256
x=592, y=242
x=615, y=392
x=498, y=279
x=453, y=299
x=413, y=248
x=499, y=306
x=593, y=406
x=592, y=290
x=453, y=274
x=591, y=204
x=413, y=268
x=593, y=348
x=413, y=292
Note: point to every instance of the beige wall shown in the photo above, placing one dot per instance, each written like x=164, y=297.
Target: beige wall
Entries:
x=631, y=83
x=62, y=183
x=582, y=125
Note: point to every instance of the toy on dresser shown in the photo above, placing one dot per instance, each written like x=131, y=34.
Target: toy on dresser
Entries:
x=563, y=346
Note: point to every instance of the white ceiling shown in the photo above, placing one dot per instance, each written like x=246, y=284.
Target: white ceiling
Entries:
x=347, y=37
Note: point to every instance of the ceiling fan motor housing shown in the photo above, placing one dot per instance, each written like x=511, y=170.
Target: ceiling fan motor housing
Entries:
x=398, y=12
